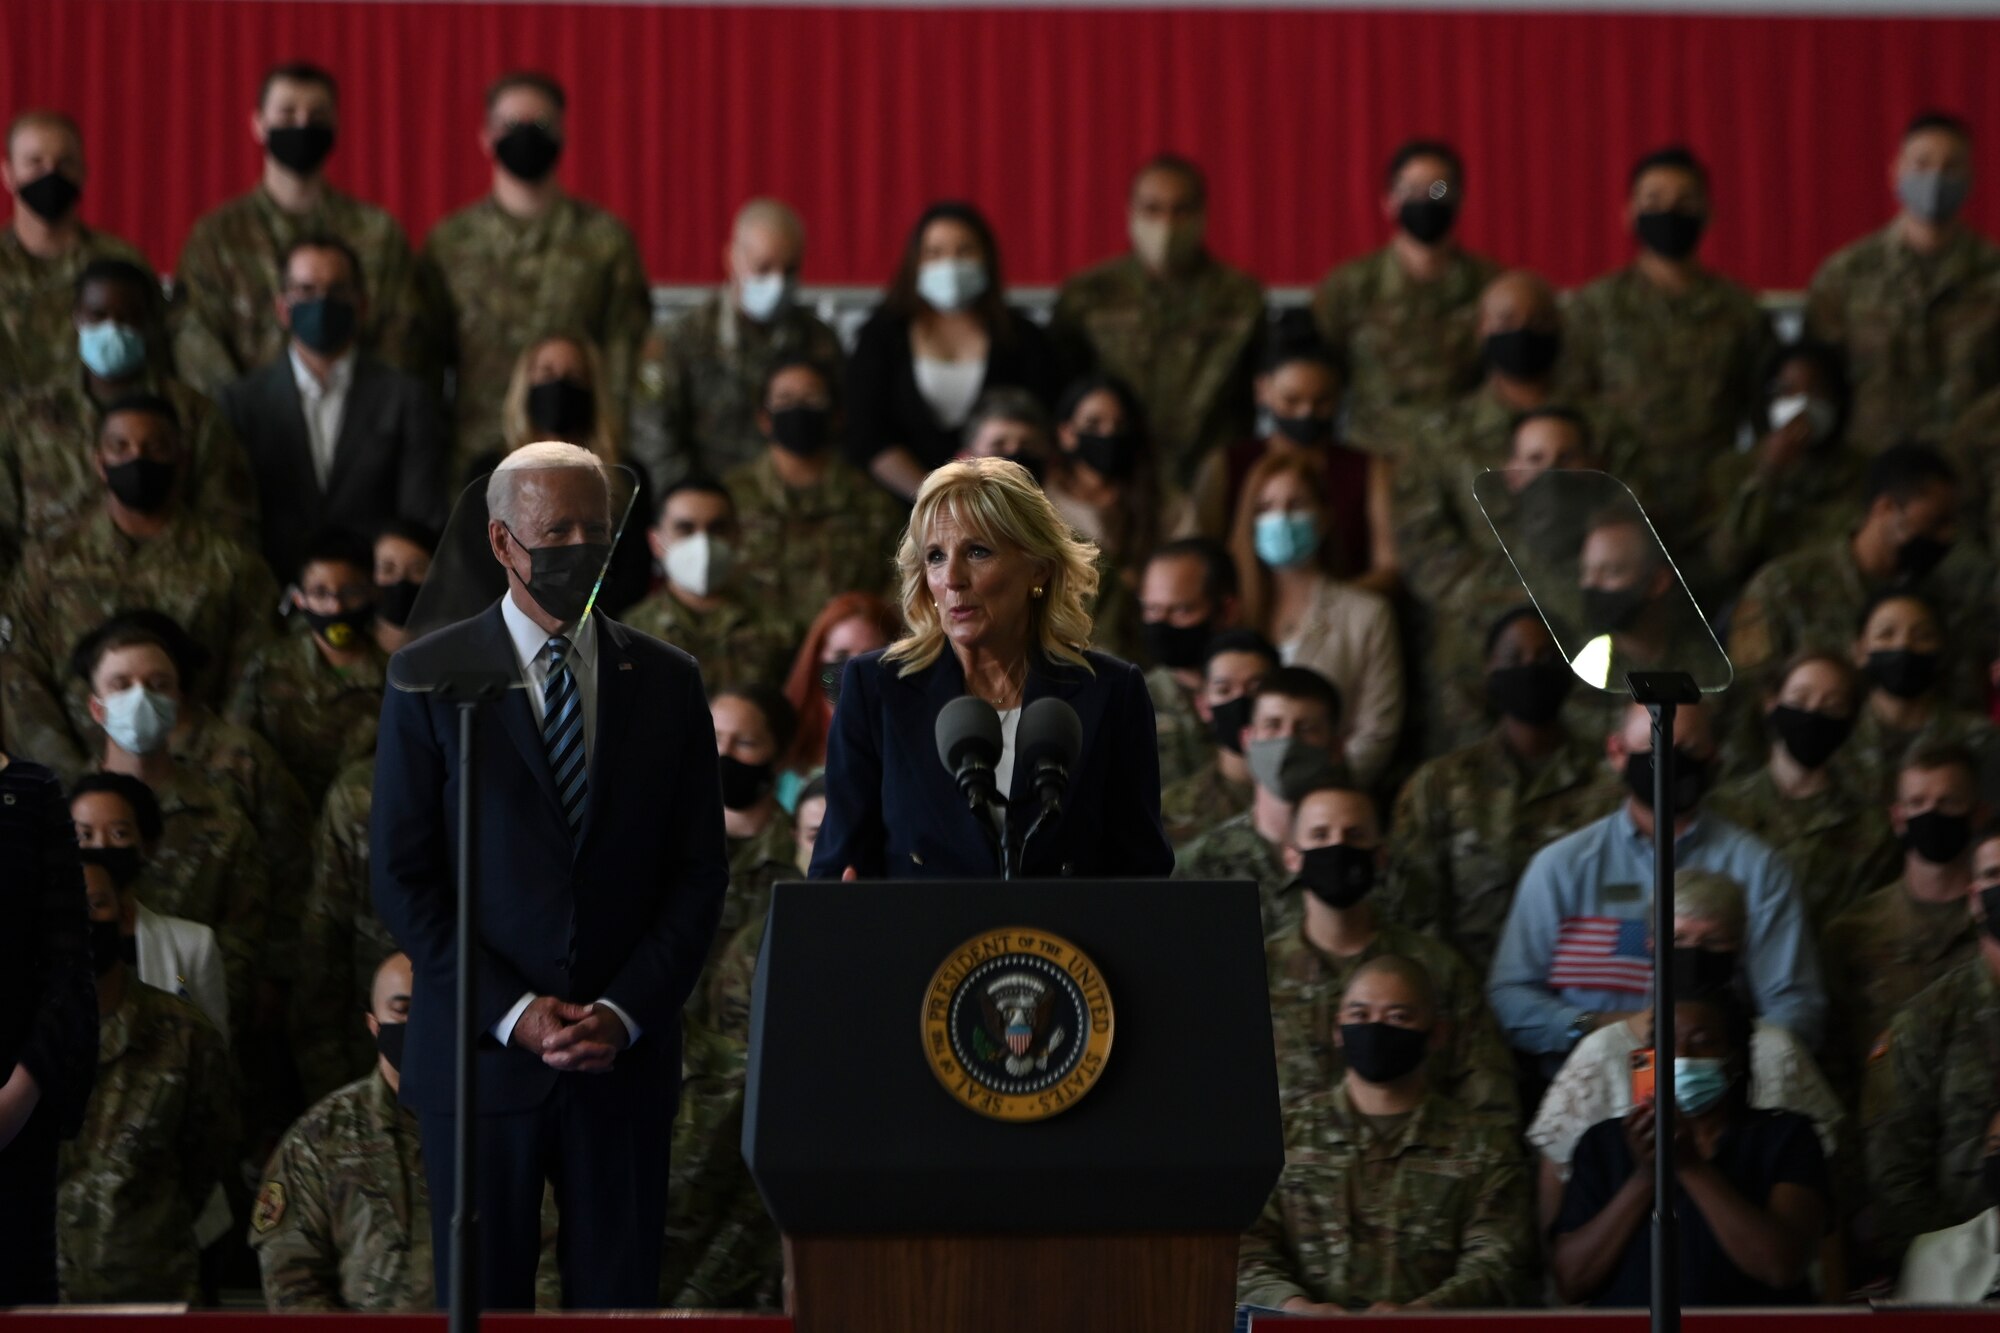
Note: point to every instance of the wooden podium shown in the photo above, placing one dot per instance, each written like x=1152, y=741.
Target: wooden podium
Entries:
x=906, y=1210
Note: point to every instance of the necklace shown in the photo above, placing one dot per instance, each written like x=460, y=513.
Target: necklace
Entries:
x=1012, y=691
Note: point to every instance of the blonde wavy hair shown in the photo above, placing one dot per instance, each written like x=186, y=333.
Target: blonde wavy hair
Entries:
x=515, y=428
x=997, y=501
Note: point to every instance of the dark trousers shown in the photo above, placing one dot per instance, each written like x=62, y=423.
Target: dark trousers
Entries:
x=28, y=1214
x=605, y=1155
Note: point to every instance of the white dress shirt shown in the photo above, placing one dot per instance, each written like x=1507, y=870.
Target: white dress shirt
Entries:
x=531, y=655
x=325, y=408
x=182, y=958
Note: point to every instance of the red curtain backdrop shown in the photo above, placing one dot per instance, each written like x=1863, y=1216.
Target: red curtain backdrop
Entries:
x=859, y=116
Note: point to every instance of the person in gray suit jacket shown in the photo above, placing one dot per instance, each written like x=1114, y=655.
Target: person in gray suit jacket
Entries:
x=335, y=438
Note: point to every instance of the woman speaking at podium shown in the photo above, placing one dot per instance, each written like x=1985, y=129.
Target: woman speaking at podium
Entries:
x=996, y=592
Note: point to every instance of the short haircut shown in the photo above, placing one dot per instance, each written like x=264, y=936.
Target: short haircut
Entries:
x=1411, y=149
x=321, y=240
x=1406, y=970
x=1556, y=412
x=1084, y=386
x=1008, y=403
x=117, y=271
x=1828, y=360
x=410, y=530
x=1218, y=571
x=526, y=78
x=1240, y=641
x=297, y=71
x=1738, y=1023
x=695, y=483
x=1303, y=683
x=1505, y=621
x=131, y=629
x=543, y=455
x=785, y=363
x=1337, y=787
x=774, y=213
x=1289, y=348
x=780, y=718
x=1883, y=596
x=150, y=404
x=1178, y=165
x=1929, y=758
x=337, y=546
x=1675, y=157
x=1904, y=471
x=1933, y=119
x=1842, y=667
x=145, y=805
x=47, y=118
x=1706, y=895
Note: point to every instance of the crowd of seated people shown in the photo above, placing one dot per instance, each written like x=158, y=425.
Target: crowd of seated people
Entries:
x=219, y=512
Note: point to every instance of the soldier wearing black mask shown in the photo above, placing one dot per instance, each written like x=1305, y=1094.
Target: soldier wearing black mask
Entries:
x=1901, y=651
x=1234, y=664
x=1186, y=596
x=754, y=725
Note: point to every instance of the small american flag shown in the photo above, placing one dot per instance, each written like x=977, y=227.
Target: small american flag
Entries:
x=1602, y=953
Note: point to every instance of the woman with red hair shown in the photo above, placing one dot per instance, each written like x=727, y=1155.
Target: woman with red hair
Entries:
x=849, y=625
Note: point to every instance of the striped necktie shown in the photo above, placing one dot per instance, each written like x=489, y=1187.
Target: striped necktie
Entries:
x=562, y=733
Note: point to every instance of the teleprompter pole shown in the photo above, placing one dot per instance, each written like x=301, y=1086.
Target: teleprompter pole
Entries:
x=465, y=1209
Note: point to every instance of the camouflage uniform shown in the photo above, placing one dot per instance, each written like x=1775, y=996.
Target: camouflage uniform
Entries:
x=48, y=442
x=802, y=548
x=1200, y=801
x=731, y=978
x=755, y=864
x=343, y=1220
x=341, y=940
x=496, y=283
x=319, y=716
x=158, y=1135
x=1433, y=1208
x=209, y=868
x=1921, y=333
x=1812, y=503
x=1839, y=847
x=38, y=301
x=1405, y=344
x=1186, y=747
x=217, y=589
x=701, y=381
x=1236, y=850
x=1927, y=1138
x=227, y=285
x=741, y=642
x=1474, y=1068
x=722, y=1248
x=1877, y=955
x=1465, y=827
x=1868, y=762
x=1183, y=343
x=1970, y=447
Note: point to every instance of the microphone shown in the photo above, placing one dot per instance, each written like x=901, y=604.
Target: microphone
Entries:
x=1049, y=743
x=968, y=743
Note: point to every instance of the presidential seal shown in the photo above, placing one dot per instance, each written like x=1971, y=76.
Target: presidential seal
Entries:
x=1017, y=1024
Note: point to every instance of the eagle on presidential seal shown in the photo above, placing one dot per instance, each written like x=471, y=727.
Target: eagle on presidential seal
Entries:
x=1018, y=1033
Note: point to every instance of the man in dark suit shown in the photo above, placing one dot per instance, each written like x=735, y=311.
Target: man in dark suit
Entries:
x=336, y=439
x=602, y=868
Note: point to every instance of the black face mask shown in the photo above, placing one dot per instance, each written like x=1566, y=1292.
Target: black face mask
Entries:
x=1917, y=556
x=1810, y=737
x=528, y=152
x=49, y=197
x=326, y=325
x=1607, y=610
x=831, y=674
x=802, y=430
x=1903, y=673
x=1532, y=693
x=743, y=785
x=1338, y=876
x=142, y=484
x=1428, y=221
x=1522, y=354
x=1691, y=779
x=1670, y=234
x=1703, y=971
x=1304, y=430
x=107, y=948
x=1380, y=1053
x=1114, y=456
x=1989, y=902
x=299, y=148
x=562, y=578
x=562, y=407
x=342, y=629
x=1937, y=837
x=389, y=1042
x=395, y=601
x=1227, y=721
x=122, y=862
x=1177, y=647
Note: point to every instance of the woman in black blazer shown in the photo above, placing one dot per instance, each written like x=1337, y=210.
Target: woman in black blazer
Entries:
x=943, y=335
x=996, y=592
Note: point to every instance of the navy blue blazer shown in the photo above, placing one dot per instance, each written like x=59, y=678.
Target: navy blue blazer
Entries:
x=894, y=812
x=624, y=911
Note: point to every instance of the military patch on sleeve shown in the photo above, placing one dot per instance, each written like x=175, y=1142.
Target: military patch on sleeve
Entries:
x=269, y=1209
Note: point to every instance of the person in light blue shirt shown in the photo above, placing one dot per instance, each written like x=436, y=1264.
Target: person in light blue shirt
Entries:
x=1573, y=953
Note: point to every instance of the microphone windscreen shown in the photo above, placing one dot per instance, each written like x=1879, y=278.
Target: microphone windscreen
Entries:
x=967, y=727
x=1050, y=729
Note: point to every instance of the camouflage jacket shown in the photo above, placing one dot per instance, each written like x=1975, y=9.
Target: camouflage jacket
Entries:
x=341, y=940
x=1839, y=846
x=1184, y=344
x=37, y=301
x=1970, y=447
x=1921, y=333
x=1873, y=753
x=701, y=380
x=496, y=283
x=1465, y=827
x=1236, y=850
x=318, y=716
x=1473, y=1068
x=802, y=548
x=343, y=1221
x=731, y=978
x=1405, y=344
x=755, y=864
x=1434, y=1209
x=1186, y=747
x=744, y=641
x=227, y=285
x=1200, y=802
x=1877, y=956
x=158, y=1135
x=1812, y=503
x=236, y=757
x=209, y=868
x=722, y=1247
